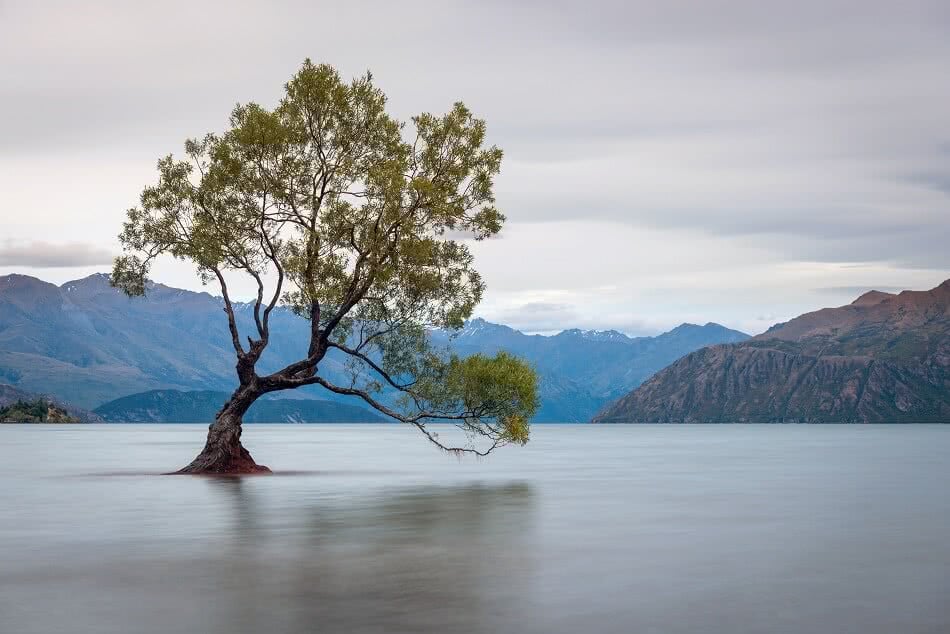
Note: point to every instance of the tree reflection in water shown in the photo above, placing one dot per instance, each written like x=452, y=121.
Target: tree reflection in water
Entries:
x=423, y=559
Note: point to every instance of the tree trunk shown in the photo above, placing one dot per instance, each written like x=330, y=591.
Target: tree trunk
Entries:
x=223, y=453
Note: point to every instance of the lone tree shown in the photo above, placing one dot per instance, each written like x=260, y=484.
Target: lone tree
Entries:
x=349, y=217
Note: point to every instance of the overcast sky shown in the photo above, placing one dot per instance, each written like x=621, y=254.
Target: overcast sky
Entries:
x=737, y=162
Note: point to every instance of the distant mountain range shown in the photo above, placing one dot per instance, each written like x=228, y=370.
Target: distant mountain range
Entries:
x=582, y=370
x=88, y=344
x=173, y=406
x=882, y=358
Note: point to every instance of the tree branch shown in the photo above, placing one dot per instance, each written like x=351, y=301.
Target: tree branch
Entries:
x=417, y=420
x=229, y=309
x=379, y=370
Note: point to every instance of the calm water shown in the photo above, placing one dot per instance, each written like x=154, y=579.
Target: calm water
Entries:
x=588, y=529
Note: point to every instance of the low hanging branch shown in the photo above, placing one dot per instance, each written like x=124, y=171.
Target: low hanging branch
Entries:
x=347, y=215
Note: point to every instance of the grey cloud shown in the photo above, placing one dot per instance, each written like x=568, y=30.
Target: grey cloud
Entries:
x=813, y=130
x=552, y=317
x=539, y=316
x=939, y=181
x=920, y=247
x=856, y=291
x=46, y=255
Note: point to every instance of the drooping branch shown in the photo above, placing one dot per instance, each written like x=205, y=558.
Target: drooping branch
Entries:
x=417, y=420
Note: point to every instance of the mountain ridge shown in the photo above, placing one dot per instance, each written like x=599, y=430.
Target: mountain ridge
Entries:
x=89, y=344
x=883, y=358
x=201, y=406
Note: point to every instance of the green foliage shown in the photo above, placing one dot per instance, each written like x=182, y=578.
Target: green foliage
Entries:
x=326, y=184
x=359, y=216
x=503, y=386
x=38, y=411
x=501, y=389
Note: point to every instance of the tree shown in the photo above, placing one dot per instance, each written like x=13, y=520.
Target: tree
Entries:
x=351, y=219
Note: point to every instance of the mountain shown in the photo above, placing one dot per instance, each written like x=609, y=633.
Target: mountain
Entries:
x=173, y=406
x=581, y=370
x=88, y=344
x=882, y=358
x=10, y=396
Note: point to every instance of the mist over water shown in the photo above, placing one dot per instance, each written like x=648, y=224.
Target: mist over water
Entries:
x=738, y=528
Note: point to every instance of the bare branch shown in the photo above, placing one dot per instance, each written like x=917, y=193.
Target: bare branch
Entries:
x=403, y=387
x=229, y=309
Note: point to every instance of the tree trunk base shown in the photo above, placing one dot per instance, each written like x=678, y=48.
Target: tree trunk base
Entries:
x=231, y=461
x=223, y=453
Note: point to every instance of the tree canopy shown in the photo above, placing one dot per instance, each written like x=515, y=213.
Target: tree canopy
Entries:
x=357, y=222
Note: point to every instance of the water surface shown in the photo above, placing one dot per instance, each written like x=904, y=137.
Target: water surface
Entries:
x=667, y=529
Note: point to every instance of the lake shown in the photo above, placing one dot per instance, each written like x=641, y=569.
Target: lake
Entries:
x=666, y=529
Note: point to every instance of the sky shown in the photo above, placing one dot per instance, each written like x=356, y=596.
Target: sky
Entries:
x=736, y=162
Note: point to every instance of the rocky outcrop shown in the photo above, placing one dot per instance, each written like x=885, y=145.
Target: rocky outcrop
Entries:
x=10, y=396
x=38, y=411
